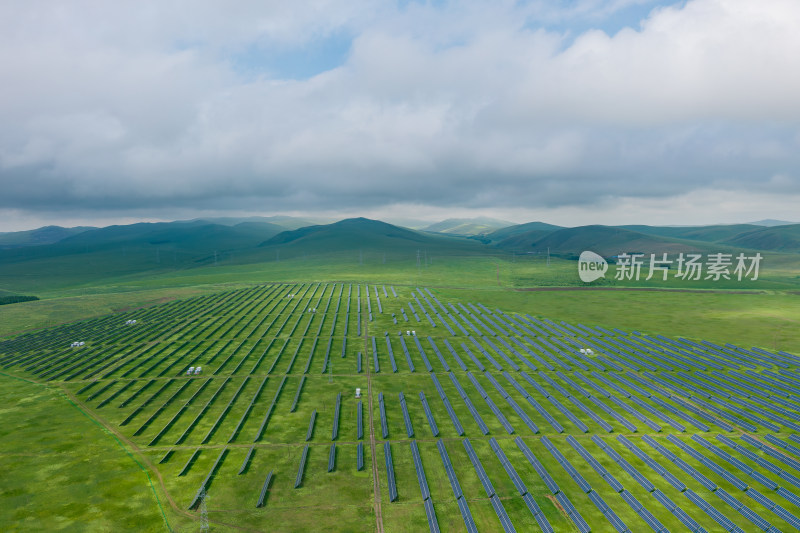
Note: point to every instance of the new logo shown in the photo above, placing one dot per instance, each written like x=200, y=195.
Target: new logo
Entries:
x=591, y=266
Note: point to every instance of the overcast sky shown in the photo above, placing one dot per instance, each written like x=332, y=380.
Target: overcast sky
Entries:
x=571, y=112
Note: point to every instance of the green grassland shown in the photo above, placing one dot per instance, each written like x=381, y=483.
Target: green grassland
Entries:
x=121, y=408
x=62, y=471
x=101, y=437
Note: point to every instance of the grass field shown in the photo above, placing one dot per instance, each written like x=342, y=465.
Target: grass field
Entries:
x=122, y=405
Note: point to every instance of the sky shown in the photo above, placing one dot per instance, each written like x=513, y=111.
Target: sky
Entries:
x=572, y=112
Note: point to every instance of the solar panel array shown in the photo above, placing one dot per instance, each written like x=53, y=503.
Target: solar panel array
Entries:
x=645, y=431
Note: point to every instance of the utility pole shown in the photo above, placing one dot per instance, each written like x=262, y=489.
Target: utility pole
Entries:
x=204, y=528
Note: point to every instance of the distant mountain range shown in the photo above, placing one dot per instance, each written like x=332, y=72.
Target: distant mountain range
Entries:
x=223, y=234
x=136, y=249
x=772, y=222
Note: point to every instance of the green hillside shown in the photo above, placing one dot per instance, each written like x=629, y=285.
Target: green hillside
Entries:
x=778, y=239
x=125, y=251
x=468, y=226
x=366, y=234
x=519, y=229
x=39, y=236
x=714, y=233
x=605, y=240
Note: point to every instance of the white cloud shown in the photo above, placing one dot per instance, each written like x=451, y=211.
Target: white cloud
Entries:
x=139, y=105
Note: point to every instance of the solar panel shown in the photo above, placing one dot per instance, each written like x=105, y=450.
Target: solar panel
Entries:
x=387, y=453
x=466, y=514
x=382, y=409
x=391, y=354
x=433, y=524
x=423, y=482
x=299, y=479
x=509, y=468
x=505, y=521
x=262, y=496
x=332, y=458
x=405, y=351
x=429, y=414
x=359, y=421
x=529, y=455
x=406, y=417
x=310, y=431
x=337, y=409
x=476, y=463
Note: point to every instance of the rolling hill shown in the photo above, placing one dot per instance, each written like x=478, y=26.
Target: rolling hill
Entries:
x=39, y=236
x=604, y=240
x=519, y=229
x=468, y=226
x=130, y=250
x=714, y=233
x=776, y=239
x=365, y=234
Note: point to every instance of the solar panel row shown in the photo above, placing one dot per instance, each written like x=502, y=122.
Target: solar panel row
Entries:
x=262, y=496
x=270, y=409
x=655, y=465
x=429, y=414
x=299, y=479
x=708, y=463
x=496, y=410
x=382, y=410
x=453, y=417
x=387, y=453
x=204, y=484
x=406, y=417
x=595, y=464
x=475, y=415
x=626, y=466
x=332, y=457
x=514, y=405
x=405, y=351
x=422, y=354
x=391, y=353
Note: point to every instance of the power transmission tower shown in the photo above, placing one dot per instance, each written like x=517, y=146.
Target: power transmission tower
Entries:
x=204, y=528
x=418, y=266
x=548, y=256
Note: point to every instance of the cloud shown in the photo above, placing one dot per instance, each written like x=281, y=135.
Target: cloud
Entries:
x=464, y=105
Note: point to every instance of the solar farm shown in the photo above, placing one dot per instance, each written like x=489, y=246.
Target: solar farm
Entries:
x=355, y=407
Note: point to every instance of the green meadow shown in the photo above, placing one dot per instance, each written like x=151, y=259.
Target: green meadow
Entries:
x=115, y=435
